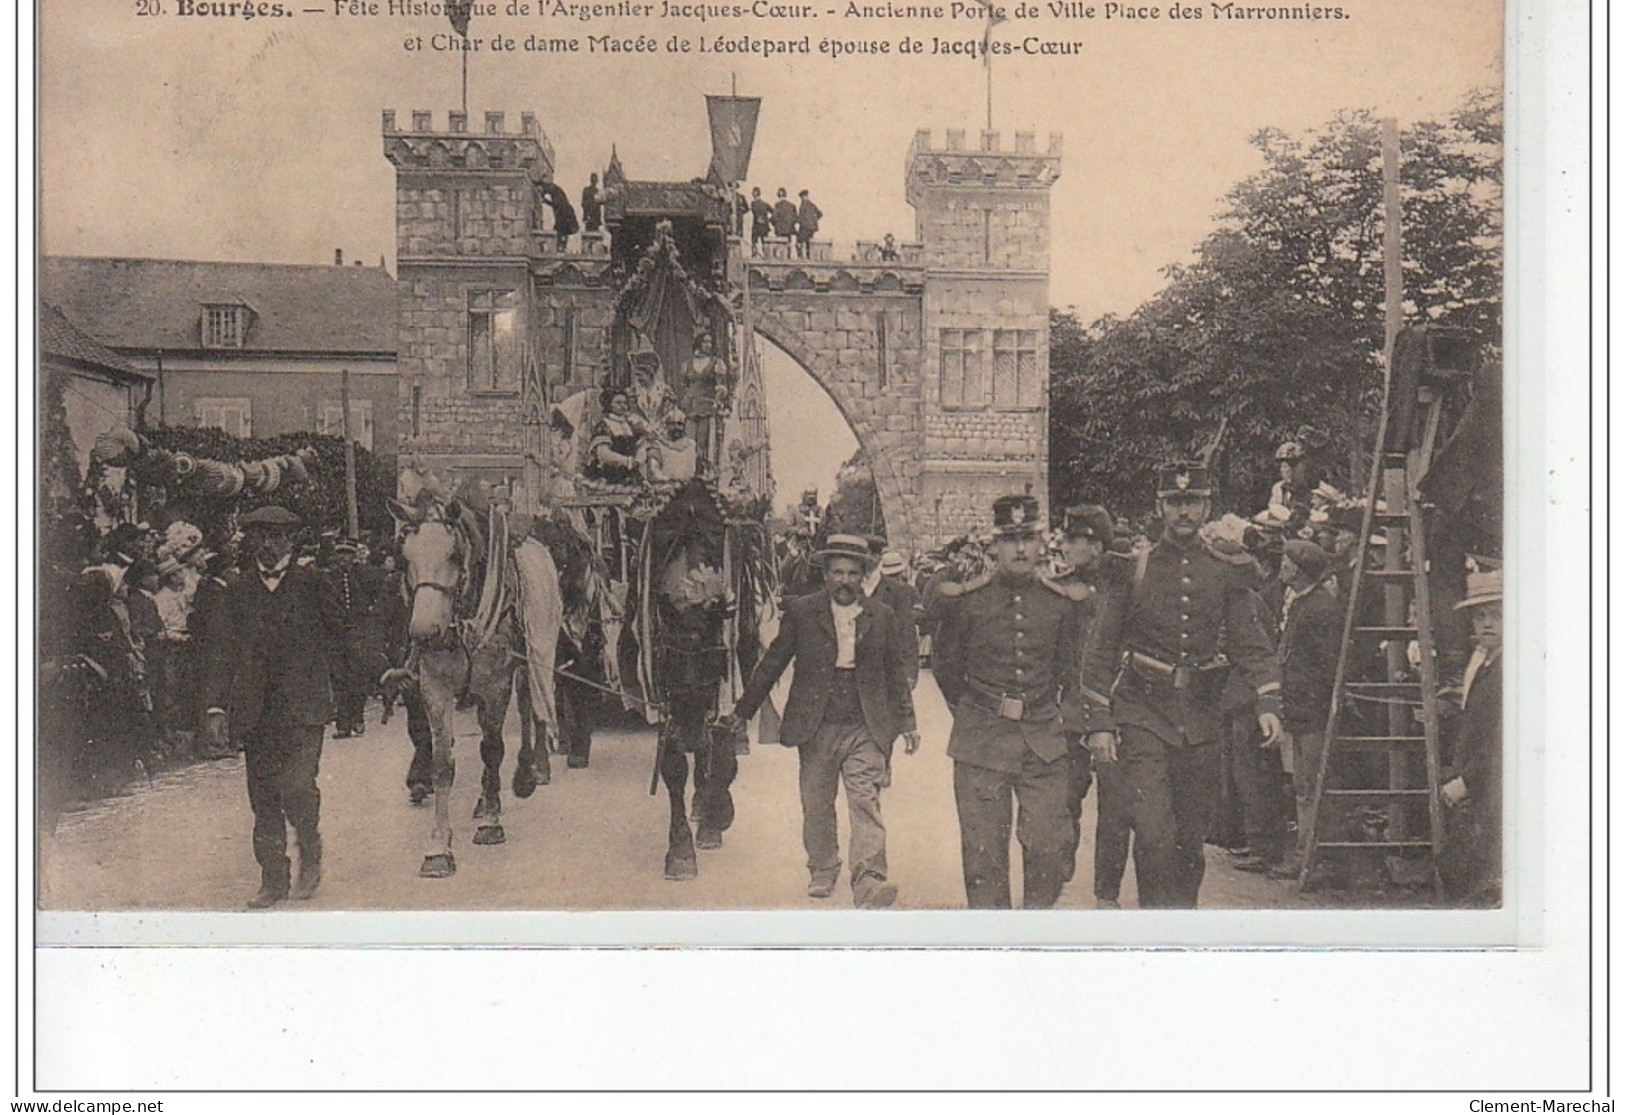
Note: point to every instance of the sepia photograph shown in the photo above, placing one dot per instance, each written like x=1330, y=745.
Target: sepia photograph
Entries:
x=941, y=520
x=560, y=456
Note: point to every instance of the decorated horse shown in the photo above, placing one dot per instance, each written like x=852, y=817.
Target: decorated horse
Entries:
x=481, y=614
x=684, y=605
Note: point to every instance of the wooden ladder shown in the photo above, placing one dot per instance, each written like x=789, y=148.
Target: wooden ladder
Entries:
x=1383, y=703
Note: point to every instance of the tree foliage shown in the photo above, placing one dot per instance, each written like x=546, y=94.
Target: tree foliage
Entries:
x=1278, y=321
x=854, y=508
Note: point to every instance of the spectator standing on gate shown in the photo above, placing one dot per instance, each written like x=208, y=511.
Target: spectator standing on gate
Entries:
x=807, y=217
x=761, y=218
x=592, y=210
x=784, y=216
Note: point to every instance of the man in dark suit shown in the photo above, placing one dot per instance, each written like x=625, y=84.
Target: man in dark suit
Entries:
x=357, y=587
x=267, y=680
x=1470, y=860
x=849, y=702
x=1006, y=658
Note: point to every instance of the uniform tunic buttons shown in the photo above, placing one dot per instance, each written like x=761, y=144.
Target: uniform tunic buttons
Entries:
x=1016, y=599
x=1184, y=600
x=1184, y=615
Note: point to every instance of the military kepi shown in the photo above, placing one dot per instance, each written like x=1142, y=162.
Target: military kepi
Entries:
x=1183, y=478
x=1016, y=516
x=1088, y=520
x=272, y=516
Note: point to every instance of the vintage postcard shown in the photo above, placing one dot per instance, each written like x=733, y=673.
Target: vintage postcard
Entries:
x=541, y=457
x=753, y=473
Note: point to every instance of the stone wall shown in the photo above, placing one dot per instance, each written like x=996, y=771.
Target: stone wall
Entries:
x=836, y=339
x=486, y=215
x=570, y=335
x=434, y=364
x=1003, y=229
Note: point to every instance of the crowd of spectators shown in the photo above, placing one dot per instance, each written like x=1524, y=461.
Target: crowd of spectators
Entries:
x=124, y=642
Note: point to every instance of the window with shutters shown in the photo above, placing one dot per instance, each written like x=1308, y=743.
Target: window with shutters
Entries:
x=962, y=382
x=494, y=342
x=330, y=420
x=1015, y=369
x=235, y=416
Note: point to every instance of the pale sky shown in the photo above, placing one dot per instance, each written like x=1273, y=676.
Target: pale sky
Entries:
x=259, y=140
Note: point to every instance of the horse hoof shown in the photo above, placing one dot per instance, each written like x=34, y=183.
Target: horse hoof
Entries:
x=441, y=865
x=708, y=839
x=524, y=783
x=481, y=808
x=490, y=834
x=544, y=774
x=680, y=869
x=417, y=793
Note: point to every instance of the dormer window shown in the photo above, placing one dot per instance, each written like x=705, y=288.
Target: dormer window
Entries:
x=225, y=325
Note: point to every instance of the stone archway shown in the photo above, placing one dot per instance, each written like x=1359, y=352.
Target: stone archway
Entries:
x=887, y=450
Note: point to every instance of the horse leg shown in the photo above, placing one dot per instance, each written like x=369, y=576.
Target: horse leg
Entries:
x=420, y=775
x=494, y=696
x=715, y=767
x=680, y=861
x=534, y=769
x=439, y=694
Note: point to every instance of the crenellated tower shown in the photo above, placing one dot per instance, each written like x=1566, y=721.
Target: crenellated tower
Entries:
x=982, y=221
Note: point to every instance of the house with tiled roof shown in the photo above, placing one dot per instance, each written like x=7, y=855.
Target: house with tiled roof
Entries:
x=256, y=349
x=99, y=388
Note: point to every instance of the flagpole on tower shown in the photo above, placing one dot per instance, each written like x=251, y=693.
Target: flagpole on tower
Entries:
x=459, y=11
x=995, y=16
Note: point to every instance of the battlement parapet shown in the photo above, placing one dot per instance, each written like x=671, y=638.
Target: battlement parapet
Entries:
x=988, y=163
x=419, y=145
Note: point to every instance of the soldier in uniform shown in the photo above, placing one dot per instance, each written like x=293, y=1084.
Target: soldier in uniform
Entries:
x=1086, y=532
x=1155, y=664
x=1006, y=654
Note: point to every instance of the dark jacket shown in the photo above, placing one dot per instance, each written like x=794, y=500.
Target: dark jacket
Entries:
x=761, y=215
x=807, y=635
x=1309, y=646
x=271, y=652
x=1003, y=638
x=900, y=596
x=807, y=219
x=784, y=218
x=1470, y=861
x=1187, y=608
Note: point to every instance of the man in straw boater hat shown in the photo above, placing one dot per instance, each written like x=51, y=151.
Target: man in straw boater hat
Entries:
x=1153, y=674
x=1470, y=861
x=849, y=701
x=1005, y=657
x=267, y=682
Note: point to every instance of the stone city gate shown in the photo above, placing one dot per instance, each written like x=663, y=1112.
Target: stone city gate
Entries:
x=936, y=351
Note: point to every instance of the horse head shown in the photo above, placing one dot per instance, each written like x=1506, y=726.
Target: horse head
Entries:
x=435, y=568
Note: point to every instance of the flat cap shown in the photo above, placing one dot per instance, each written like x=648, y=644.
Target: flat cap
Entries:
x=270, y=516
